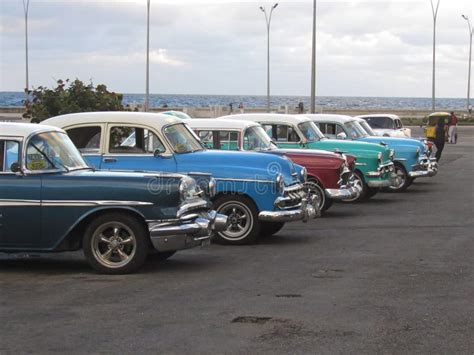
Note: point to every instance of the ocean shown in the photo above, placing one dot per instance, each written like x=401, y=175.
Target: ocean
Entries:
x=15, y=99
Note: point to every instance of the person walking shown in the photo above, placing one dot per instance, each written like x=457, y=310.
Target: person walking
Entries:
x=453, y=129
x=469, y=108
x=440, y=137
x=241, y=107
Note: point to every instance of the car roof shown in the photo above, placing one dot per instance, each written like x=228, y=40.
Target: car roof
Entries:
x=388, y=115
x=435, y=114
x=269, y=117
x=150, y=119
x=330, y=117
x=13, y=129
x=220, y=123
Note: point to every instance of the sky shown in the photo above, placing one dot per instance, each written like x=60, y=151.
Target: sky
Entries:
x=364, y=48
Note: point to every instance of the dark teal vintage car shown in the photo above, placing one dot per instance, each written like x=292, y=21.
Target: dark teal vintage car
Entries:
x=51, y=200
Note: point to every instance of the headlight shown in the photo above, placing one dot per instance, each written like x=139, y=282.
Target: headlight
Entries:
x=188, y=188
x=417, y=151
x=212, y=187
x=280, y=183
x=379, y=157
x=304, y=174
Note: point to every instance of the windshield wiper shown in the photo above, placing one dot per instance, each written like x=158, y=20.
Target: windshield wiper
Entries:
x=48, y=159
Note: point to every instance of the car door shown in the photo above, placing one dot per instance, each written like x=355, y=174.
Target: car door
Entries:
x=88, y=139
x=137, y=148
x=20, y=201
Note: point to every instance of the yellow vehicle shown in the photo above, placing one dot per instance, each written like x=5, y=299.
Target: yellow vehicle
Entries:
x=430, y=129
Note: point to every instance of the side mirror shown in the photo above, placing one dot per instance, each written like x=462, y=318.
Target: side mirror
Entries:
x=341, y=135
x=16, y=168
x=158, y=153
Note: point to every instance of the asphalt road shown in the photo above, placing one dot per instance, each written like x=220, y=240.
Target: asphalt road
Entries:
x=393, y=275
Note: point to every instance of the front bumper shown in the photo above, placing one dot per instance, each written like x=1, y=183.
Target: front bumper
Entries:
x=384, y=176
x=191, y=230
x=348, y=191
x=308, y=209
x=426, y=167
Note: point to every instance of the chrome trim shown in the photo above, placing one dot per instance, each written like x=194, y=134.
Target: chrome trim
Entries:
x=199, y=173
x=245, y=180
x=307, y=211
x=185, y=208
x=15, y=202
x=70, y=203
x=360, y=164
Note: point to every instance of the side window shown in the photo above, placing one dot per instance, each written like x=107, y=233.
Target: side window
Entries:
x=133, y=140
x=9, y=154
x=398, y=124
x=86, y=139
x=268, y=130
x=206, y=138
x=282, y=133
x=329, y=129
x=228, y=140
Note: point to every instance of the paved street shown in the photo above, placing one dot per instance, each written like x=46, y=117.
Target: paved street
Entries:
x=393, y=275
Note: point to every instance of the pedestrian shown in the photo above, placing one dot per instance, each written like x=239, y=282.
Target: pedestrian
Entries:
x=300, y=107
x=453, y=129
x=440, y=137
x=231, y=108
x=469, y=108
x=241, y=107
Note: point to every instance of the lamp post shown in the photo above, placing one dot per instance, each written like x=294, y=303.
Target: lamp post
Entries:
x=435, y=17
x=26, y=4
x=313, y=62
x=147, y=90
x=268, y=20
x=471, y=31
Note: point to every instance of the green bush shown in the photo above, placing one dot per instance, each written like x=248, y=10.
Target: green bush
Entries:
x=70, y=97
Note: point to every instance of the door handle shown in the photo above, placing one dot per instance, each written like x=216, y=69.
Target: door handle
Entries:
x=109, y=160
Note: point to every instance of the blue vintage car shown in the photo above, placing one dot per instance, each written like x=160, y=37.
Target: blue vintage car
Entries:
x=51, y=200
x=259, y=193
x=411, y=160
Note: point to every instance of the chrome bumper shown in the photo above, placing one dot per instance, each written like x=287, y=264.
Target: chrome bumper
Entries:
x=382, y=170
x=190, y=231
x=427, y=167
x=345, y=192
x=308, y=209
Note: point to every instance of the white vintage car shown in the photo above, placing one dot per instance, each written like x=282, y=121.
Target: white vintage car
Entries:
x=387, y=125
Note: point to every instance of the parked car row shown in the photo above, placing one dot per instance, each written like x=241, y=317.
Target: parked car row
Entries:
x=126, y=185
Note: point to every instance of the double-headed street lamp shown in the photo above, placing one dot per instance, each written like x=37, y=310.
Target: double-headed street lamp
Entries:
x=268, y=19
x=435, y=16
x=471, y=31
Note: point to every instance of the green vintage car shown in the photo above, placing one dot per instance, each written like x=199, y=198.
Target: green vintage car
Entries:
x=374, y=165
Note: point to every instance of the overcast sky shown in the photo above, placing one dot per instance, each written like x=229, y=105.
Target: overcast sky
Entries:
x=364, y=48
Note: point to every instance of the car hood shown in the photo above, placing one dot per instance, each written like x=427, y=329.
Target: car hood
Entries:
x=239, y=165
x=358, y=149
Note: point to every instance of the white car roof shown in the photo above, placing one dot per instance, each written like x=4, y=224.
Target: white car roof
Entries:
x=329, y=117
x=388, y=115
x=150, y=119
x=10, y=129
x=269, y=117
x=220, y=123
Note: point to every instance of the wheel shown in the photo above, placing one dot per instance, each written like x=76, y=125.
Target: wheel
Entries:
x=161, y=255
x=243, y=226
x=403, y=179
x=315, y=188
x=359, y=180
x=270, y=228
x=116, y=243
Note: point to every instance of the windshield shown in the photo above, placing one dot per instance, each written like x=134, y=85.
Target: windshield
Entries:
x=53, y=150
x=255, y=138
x=310, y=131
x=379, y=122
x=354, y=130
x=182, y=139
x=366, y=127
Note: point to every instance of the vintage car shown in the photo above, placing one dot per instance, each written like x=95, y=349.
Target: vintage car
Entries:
x=410, y=159
x=387, y=125
x=51, y=200
x=374, y=167
x=330, y=175
x=258, y=192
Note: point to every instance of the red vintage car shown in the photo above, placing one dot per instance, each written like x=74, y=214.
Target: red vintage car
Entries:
x=329, y=175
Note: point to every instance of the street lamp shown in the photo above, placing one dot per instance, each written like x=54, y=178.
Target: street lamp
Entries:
x=313, y=62
x=26, y=5
x=471, y=31
x=435, y=16
x=268, y=19
x=147, y=91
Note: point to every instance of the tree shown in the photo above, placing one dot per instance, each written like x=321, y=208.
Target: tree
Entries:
x=70, y=97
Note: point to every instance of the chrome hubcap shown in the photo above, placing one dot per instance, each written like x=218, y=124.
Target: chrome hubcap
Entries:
x=400, y=179
x=240, y=220
x=114, y=244
x=314, y=189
